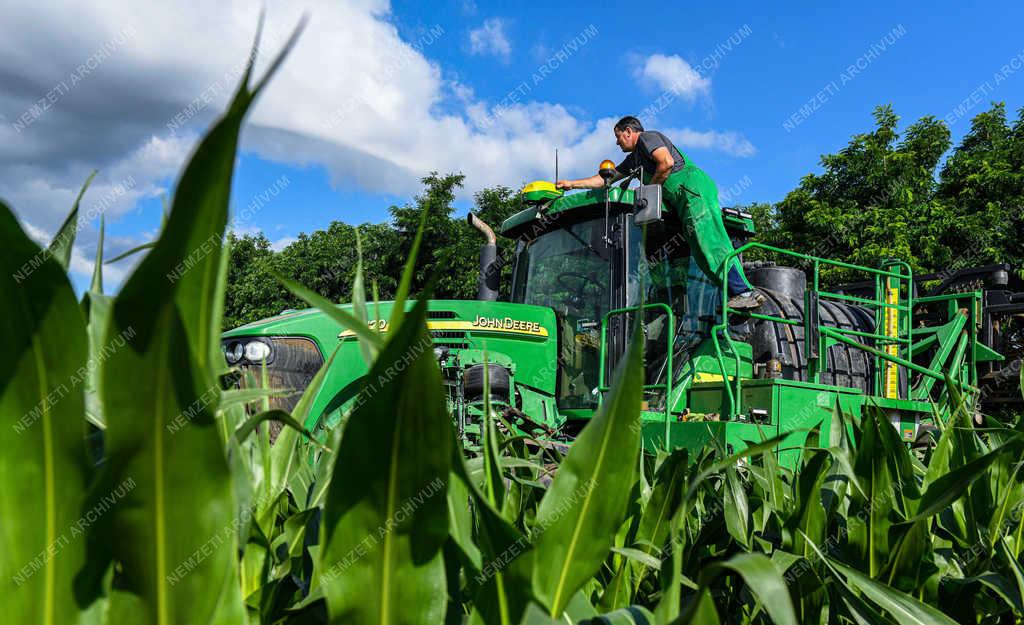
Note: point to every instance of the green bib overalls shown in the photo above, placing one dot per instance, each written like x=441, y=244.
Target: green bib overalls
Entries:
x=693, y=196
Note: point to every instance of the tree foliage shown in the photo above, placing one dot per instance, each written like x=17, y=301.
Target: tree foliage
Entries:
x=325, y=260
x=886, y=194
x=891, y=196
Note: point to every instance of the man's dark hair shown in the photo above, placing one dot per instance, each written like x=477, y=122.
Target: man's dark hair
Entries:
x=629, y=122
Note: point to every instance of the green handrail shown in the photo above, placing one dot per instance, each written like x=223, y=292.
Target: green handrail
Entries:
x=667, y=386
x=902, y=272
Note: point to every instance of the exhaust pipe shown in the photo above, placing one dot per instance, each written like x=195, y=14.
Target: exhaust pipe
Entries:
x=490, y=269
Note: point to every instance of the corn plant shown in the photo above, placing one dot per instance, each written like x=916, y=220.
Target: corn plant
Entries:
x=140, y=486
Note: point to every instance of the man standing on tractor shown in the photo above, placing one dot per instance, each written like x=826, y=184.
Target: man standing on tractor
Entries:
x=688, y=191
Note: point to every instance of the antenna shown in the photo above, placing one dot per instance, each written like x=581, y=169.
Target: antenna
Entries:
x=556, y=164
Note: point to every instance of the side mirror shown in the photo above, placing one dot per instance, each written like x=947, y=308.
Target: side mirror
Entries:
x=647, y=200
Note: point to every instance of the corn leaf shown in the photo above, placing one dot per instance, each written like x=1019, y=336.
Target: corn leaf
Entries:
x=906, y=609
x=96, y=307
x=763, y=580
x=587, y=501
x=64, y=241
x=341, y=317
x=700, y=611
x=179, y=563
x=385, y=516
x=41, y=433
x=135, y=250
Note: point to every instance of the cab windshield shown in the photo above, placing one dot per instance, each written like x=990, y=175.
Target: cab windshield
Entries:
x=569, y=270
x=574, y=271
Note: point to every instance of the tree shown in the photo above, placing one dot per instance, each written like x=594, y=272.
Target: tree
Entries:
x=449, y=242
x=872, y=201
x=252, y=292
x=325, y=260
x=882, y=196
x=983, y=180
x=493, y=206
x=434, y=206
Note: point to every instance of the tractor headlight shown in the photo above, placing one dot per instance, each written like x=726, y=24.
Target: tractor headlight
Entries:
x=257, y=351
x=233, y=352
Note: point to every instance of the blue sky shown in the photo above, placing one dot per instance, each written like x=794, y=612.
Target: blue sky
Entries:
x=377, y=94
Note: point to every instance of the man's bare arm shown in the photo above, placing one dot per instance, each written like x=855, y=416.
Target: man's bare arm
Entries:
x=593, y=182
x=664, y=161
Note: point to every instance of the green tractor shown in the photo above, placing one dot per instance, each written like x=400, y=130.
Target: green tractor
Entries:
x=589, y=265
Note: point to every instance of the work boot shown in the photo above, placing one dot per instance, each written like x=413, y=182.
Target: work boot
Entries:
x=748, y=300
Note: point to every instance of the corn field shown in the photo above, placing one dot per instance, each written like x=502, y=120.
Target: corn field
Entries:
x=140, y=487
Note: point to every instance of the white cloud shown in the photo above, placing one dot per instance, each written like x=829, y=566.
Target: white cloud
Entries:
x=81, y=263
x=490, y=38
x=732, y=143
x=673, y=75
x=138, y=114
x=282, y=243
x=243, y=230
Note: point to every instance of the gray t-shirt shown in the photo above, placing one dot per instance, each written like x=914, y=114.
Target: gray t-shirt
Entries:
x=649, y=141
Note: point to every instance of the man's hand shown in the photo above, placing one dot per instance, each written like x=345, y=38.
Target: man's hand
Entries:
x=564, y=184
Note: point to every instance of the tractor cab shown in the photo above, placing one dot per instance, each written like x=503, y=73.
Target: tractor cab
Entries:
x=591, y=254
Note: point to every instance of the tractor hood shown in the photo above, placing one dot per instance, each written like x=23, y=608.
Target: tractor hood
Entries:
x=527, y=335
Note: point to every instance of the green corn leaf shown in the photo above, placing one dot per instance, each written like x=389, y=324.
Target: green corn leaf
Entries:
x=218, y=364
x=737, y=508
x=652, y=530
x=494, y=481
x=840, y=450
x=243, y=396
x=180, y=564
x=906, y=609
x=503, y=581
x=1001, y=586
x=617, y=592
x=286, y=455
x=64, y=241
x=862, y=612
x=385, y=516
x=536, y=615
x=632, y=615
x=341, y=317
x=96, y=307
x=764, y=581
x=951, y=486
x=868, y=517
x=701, y=611
x=460, y=514
x=99, y=306
x=667, y=609
x=280, y=416
x=808, y=513
x=752, y=451
x=97, y=267
x=587, y=501
x=1015, y=597
x=910, y=561
x=1010, y=500
x=1020, y=381
x=939, y=462
x=135, y=250
x=665, y=494
x=897, y=457
x=402, y=293
x=41, y=432
x=776, y=488
x=359, y=311
x=639, y=556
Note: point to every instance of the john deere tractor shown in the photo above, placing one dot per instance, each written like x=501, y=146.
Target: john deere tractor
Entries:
x=589, y=265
